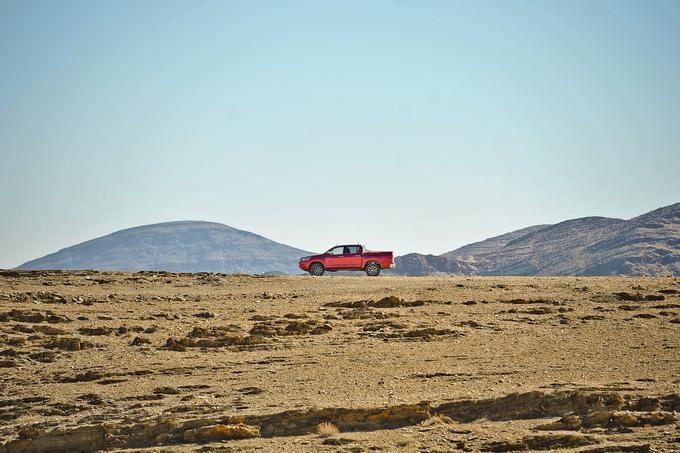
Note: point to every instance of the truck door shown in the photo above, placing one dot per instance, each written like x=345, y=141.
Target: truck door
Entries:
x=344, y=257
x=353, y=257
x=335, y=257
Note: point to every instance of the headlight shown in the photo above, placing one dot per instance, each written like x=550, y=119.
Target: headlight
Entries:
x=304, y=258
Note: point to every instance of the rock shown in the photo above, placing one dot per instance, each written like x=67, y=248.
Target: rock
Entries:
x=295, y=316
x=505, y=445
x=145, y=434
x=174, y=345
x=597, y=418
x=78, y=440
x=540, y=311
x=647, y=405
x=530, y=405
x=86, y=376
x=201, y=337
x=570, y=422
x=204, y=315
x=394, y=301
x=68, y=344
x=139, y=341
x=362, y=313
x=293, y=423
x=626, y=419
x=642, y=448
x=214, y=331
x=541, y=442
x=217, y=433
x=554, y=441
x=337, y=441
x=293, y=327
x=385, y=302
x=102, y=330
x=43, y=356
x=92, y=398
x=637, y=297
x=33, y=317
x=49, y=330
x=429, y=332
x=166, y=391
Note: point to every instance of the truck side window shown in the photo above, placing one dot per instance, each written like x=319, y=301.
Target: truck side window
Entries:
x=336, y=251
x=352, y=250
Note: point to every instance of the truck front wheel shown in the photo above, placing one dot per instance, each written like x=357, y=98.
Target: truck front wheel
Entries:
x=316, y=269
x=372, y=269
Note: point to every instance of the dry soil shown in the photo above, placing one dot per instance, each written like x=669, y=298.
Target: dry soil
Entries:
x=208, y=362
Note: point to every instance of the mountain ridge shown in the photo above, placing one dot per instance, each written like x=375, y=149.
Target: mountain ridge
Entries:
x=648, y=244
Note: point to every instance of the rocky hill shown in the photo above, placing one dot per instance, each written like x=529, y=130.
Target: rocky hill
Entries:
x=645, y=245
x=186, y=246
x=493, y=244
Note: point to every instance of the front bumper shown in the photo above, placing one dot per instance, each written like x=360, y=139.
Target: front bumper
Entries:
x=304, y=265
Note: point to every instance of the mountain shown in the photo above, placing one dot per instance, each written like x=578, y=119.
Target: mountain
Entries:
x=493, y=244
x=185, y=246
x=460, y=261
x=645, y=245
x=559, y=249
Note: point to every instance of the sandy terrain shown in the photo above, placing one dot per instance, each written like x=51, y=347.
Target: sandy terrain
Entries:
x=205, y=362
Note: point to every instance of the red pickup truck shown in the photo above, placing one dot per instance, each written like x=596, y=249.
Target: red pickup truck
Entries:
x=347, y=258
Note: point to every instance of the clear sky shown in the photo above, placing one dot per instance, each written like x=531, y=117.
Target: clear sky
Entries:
x=409, y=125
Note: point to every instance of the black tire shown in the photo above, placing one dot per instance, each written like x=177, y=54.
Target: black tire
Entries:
x=316, y=269
x=372, y=269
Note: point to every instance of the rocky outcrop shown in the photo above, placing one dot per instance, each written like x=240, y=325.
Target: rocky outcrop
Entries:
x=542, y=442
x=610, y=419
x=587, y=409
x=78, y=440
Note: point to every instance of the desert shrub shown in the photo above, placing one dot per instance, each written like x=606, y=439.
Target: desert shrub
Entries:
x=327, y=429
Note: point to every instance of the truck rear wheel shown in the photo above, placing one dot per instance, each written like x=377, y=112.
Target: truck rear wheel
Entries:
x=372, y=269
x=316, y=269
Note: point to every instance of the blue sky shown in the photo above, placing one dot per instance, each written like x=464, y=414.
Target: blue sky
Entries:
x=412, y=126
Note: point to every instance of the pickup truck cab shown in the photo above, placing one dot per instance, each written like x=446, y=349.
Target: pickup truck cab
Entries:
x=351, y=257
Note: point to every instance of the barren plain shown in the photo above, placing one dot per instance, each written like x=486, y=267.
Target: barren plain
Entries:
x=157, y=361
